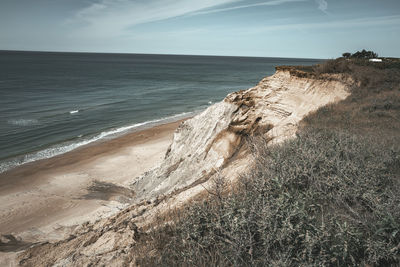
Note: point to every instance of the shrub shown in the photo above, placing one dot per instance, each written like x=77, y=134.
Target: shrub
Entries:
x=346, y=55
x=322, y=199
x=364, y=54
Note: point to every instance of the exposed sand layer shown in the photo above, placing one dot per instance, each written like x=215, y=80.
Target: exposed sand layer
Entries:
x=45, y=200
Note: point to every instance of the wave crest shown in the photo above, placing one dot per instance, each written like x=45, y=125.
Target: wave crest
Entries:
x=23, y=122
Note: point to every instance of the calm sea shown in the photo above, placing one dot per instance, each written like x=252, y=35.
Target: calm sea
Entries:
x=52, y=103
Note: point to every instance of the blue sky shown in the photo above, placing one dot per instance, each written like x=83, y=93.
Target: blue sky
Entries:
x=275, y=28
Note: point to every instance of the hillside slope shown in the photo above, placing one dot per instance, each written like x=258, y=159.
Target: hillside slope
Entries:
x=212, y=144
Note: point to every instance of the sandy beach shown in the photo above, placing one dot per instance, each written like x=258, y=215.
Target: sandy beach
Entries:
x=44, y=200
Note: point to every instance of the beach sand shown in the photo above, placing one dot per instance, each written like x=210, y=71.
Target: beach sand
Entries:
x=45, y=200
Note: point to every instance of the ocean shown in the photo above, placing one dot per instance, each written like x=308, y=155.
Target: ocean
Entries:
x=52, y=103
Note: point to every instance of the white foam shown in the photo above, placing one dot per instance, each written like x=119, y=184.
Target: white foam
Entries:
x=67, y=147
x=23, y=122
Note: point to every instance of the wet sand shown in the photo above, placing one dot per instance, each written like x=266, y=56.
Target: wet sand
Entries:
x=45, y=200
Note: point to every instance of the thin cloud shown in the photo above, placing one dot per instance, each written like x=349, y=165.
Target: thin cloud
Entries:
x=269, y=3
x=348, y=24
x=113, y=17
x=322, y=5
x=351, y=23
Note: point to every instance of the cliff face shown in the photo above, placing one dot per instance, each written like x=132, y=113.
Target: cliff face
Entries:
x=210, y=144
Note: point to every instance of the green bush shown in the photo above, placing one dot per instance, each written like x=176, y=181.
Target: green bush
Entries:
x=325, y=198
x=364, y=54
x=361, y=54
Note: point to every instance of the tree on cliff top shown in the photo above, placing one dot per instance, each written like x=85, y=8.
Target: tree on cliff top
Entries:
x=364, y=54
x=346, y=55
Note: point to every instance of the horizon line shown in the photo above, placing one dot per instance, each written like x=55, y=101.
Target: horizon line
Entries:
x=155, y=54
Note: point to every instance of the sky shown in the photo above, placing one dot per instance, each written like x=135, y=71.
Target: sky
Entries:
x=264, y=28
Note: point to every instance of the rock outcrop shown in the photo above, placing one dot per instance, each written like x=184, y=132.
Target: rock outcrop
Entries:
x=209, y=144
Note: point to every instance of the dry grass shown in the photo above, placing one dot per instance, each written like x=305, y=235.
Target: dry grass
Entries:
x=372, y=109
x=322, y=199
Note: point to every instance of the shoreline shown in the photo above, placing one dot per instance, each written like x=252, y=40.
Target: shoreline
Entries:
x=41, y=199
x=12, y=163
x=99, y=146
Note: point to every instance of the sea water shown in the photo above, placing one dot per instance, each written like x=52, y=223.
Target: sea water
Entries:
x=52, y=103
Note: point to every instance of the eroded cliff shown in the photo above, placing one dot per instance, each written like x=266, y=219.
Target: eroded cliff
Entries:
x=210, y=144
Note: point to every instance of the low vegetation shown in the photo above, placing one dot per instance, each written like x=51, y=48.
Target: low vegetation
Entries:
x=372, y=109
x=355, y=67
x=321, y=199
x=330, y=197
